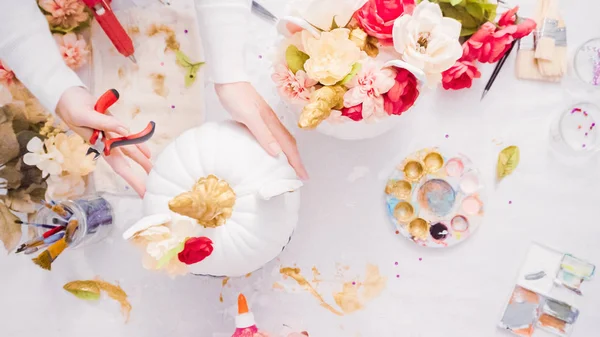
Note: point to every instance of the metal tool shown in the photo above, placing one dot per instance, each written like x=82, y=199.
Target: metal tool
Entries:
x=102, y=144
x=263, y=13
x=112, y=27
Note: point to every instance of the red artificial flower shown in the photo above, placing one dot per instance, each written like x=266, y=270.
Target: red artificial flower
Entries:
x=196, y=250
x=377, y=17
x=403, y=94
x=488, y=45
x=354, y=112
x=509, y=18
x=460, y=75
x=7, y=76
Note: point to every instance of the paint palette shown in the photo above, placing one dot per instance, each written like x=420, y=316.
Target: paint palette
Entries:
x=542, y=302
x=435, y=199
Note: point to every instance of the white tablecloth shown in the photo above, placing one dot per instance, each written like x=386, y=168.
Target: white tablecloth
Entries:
x=454, y=292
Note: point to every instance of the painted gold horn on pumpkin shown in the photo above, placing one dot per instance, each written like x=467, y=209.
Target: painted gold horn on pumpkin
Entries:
x=210, y=202
x=322, y=101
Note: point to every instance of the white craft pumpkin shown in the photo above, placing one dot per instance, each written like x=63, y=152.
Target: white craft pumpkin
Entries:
x=264, y=214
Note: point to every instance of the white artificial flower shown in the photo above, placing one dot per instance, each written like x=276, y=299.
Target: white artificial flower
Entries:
x=48, y=160
x=428, y=40
x=320, y=13
x=65, y=187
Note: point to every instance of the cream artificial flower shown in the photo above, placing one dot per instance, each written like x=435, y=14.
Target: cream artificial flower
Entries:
x=76, y=161
x=332, y=55
x=47, y=159
x=428, y=40
x=65, y=187
x=321, y=13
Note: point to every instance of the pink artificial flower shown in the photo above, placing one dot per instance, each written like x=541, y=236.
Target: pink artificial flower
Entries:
x=377, y=17
x=488, y=45
x=509, y=19
x=295, y=87
x=367, y=88
x=353, y=112
x=460, y=75
x=73, y=48
x=403, y=94
x=66, y=14
x=7, y=76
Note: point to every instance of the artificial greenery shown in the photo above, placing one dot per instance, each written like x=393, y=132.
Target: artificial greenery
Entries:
x=471, y=14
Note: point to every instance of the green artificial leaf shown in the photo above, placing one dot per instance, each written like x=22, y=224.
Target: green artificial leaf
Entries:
x=508, y=160
x=84, y=290
x=295, y=58
x=334, y=24
x=476, y=11
x=455, y=2
x=182, y=59
x=355, y=69
x=170, y=255
x=10, y=231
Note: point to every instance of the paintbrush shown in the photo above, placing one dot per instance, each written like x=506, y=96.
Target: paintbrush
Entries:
x=41, y=225
x=70, y=231
x=45, y=259
x=499, y=66
x=263, y=13
x=57, y=209
x=41, y=239
x=59, y=222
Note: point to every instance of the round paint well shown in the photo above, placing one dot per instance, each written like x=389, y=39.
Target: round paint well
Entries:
x=459, y=223
x=471, y=205
x=469, y=184
x=439, y=231
x=437, y=196
x=455, y=167
x=401, y=189
x=418, y=228
x=433, y=162
x=404, y=211
x=413, y=170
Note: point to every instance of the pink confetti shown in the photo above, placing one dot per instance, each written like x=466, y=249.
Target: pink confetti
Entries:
x=353, y=283
x=510, y=202
x=586, y=133
x=579, y=127
x=185, y=31
x=397, y=276
x=575, y=110
x=172, y=107
x=583, y=145
x=420, y=259
x=162, y=64
x=585, y=113
x=447, y=136
x=396, y=263
x=260, y=56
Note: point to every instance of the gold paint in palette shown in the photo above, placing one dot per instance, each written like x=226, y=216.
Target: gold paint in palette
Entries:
x=435, y=199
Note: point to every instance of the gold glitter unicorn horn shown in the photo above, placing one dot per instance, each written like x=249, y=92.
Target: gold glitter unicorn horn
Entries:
x=322, y=101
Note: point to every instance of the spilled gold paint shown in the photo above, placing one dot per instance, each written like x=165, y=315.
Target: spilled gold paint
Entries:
x=118, y=294
x=121, y=73
x=316, y=275
x=348, y=299
x=158, y=84
x=277, y=285
x=248, y=275
x=133, y=30
x=294, y=273
x=223, y=284
x=353, y=297
x=136, y=111
x=170, y=39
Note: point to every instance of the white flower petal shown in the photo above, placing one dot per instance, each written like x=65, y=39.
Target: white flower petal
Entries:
x=32, y=159
x=35, y=145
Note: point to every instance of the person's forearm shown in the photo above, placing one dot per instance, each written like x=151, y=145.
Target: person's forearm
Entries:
x=224, y=26
x=27, y=47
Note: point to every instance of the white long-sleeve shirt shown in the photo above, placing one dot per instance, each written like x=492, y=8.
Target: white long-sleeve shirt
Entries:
x=27, y=46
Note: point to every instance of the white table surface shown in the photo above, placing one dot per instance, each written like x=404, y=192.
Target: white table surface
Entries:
x=454, y=292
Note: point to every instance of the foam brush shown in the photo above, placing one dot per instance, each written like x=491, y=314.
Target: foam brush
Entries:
x=70, y=231
x=45, y=259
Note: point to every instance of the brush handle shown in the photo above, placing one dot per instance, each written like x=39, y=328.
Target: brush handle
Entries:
x=499, y=66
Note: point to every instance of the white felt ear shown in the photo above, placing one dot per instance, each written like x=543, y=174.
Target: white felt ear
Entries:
x=419, y=74
x=289, y=25
x=145, y=223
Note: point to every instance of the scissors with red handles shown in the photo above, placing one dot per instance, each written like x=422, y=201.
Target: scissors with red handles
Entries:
x=102, y=145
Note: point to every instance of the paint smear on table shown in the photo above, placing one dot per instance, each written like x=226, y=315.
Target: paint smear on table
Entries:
x=353, y=296
x=90, y=290
x=223, y=284
x=316, y=275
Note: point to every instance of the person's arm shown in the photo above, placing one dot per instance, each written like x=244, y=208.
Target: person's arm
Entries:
x=224, y=28
x=27, y=47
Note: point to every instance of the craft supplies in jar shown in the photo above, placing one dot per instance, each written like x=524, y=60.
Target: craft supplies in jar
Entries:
x=574, y=132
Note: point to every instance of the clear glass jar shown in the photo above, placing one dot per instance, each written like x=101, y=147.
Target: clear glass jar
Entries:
x=583, y=80
x=574, y=132
x=95, y=216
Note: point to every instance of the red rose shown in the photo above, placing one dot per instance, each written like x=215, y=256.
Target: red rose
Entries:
x=196, y=250
x=460, y=75
x=354, y=112
x=488, y=45
x=403, y=94
x=377, y=17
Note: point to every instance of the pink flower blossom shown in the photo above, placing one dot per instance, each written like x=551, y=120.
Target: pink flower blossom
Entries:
x=7, y=76
x=403, y=94
x=367, y=89
x=66, y=14
x=294, y=87
x=73, y=49
x=460, y=76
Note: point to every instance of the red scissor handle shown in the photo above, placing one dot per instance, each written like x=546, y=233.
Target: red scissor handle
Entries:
x=137, y=138
x=102, y=104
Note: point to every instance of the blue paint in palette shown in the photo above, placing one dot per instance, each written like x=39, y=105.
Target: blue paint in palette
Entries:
x=437, y=196
x=391, y=205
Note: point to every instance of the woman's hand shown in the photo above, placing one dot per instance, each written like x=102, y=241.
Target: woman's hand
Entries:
x=76, y=109
x=246, y=106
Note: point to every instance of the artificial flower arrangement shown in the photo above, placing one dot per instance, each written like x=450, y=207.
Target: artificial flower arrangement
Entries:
x=357, y=60
x=169, y=244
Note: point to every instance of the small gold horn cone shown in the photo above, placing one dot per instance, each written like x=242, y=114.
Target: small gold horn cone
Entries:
x=210, y=202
